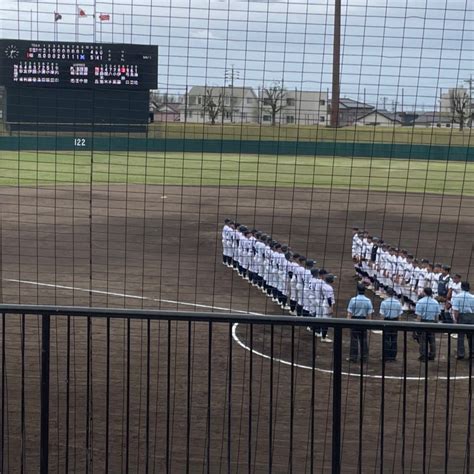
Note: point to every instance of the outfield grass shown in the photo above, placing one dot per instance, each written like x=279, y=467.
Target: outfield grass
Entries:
x=364, y=134
x=47, y=168
x=302, y=133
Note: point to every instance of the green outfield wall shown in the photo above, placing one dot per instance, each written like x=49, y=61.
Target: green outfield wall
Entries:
x=322, y=148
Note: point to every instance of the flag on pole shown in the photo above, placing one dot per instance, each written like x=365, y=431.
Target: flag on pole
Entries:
x=104, y=17
x=57, y=16
x=81, y=13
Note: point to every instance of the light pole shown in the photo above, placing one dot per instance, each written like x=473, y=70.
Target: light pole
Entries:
x=230, y=75
x=336, y=65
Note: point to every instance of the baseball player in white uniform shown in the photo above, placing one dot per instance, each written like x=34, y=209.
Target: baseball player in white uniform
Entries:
x=328, y=303
x=292, y=272
x=299, y=274
x=235, y=246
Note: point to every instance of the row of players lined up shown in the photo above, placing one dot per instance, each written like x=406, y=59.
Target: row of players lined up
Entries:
x=425, y=288
x=290, y=279
x=382, y=266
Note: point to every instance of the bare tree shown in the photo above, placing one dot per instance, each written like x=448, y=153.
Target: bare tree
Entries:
x=273, y=99
x=460, y=104
x=212, y=105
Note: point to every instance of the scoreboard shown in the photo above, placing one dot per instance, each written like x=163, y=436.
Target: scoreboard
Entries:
x=57, y=82
x=78, y=65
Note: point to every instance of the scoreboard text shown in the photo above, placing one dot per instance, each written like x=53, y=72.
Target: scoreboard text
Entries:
x=78, y=65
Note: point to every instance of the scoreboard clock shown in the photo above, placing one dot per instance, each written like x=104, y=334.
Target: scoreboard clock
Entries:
x=68, y=65
x=11, y=51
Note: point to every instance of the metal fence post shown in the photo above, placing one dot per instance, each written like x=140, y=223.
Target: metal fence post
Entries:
x=45, y=352
x=336, y=400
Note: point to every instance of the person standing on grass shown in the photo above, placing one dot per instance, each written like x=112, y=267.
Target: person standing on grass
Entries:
x=463, y=313
x=427, y=310
x=390, y=310
x=360, y=307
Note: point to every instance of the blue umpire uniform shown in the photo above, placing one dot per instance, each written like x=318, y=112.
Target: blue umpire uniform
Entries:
x=390, y=310
x=360, y=307
x=428, y=310
x=463, y=308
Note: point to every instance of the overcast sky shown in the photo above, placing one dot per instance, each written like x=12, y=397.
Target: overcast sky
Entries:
x=391, y=48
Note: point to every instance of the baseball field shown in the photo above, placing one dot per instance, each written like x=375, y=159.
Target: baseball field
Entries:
x=143, y=230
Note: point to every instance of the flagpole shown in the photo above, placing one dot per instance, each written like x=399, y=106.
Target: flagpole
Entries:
x=56, y=23
x=94, y=27
x=77, y=22
x=37, y=20
x=31, y=24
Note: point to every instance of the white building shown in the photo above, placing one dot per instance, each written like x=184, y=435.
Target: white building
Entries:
x=295, y=107
x=381, y=118
x=446, y=106
x=236, y=105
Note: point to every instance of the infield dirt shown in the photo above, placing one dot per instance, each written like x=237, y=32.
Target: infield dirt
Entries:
x=161, y=244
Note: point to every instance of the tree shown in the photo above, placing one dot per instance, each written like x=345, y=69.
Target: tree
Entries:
x=212, y=105
x=273, y=99
x=460, y=104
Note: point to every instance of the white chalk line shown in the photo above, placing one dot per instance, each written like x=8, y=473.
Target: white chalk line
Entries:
x=329, y=371
x=126, y=295
x=234, y=330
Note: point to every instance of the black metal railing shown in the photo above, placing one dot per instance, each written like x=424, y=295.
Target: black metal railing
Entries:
x=110, y=390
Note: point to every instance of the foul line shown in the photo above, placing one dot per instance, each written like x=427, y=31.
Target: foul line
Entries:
x=234, y=330
x=127, y=295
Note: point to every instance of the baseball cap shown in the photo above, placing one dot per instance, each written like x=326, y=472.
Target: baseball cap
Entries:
x=330, y=278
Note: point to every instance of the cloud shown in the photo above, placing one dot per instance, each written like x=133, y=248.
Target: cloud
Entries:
x=387, y=44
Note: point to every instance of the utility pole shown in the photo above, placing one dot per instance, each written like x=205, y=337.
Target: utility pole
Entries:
x=296, y=121
x=469, y=81
x=230, y=75
x=336, y=65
